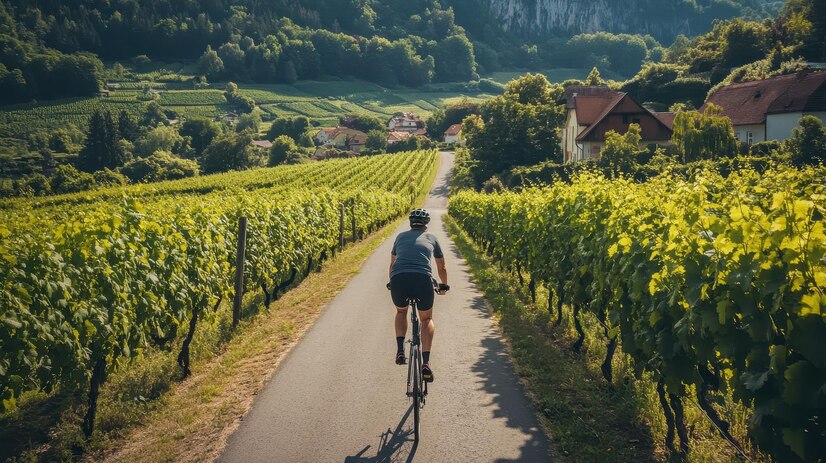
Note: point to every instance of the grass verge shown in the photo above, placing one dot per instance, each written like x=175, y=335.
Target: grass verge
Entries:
x=588, y=419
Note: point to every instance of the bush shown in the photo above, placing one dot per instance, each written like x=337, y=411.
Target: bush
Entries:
x=35, y=185
x=284, y=151
x=161, y=165
x=67, y=179
x=231, y=151
x=108, y=177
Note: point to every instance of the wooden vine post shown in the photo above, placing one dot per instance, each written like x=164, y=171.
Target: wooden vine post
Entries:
x=341, y=227
x=353, y=218
x=239, y=271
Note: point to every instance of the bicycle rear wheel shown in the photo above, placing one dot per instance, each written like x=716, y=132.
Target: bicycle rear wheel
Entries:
x=417, y=394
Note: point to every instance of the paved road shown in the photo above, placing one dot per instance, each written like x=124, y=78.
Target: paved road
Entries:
x=338, y=396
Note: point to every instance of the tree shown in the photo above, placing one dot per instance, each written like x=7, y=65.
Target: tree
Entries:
x=362, y=122
x=153, y=115
x=451, y=114
x=160, y=165
x=744, y=42
x=230, y=151
x=455, y=60
x=201, y=133
x=127, y=127
x=594, y=78
x=251, y=122
x=101, y=149
x=518, y=128
x=621, y=152
x=240, y=102
x=376, y=140
x=283, y=151
x=808, y=142
x=292, y=127
x=67, y=179
x=703, y=136
x=210, y=64
x=161, y=138
x=232, y=58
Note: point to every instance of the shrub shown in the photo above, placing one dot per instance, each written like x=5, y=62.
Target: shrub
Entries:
x=67, y=179
x=108, y=177
x=161, y=165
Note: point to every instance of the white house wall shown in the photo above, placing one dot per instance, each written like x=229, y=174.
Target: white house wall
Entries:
x=569, y=145
x=758, y=133
x=779, y=126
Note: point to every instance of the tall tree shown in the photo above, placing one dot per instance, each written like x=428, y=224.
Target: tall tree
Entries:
x=101, y=149
x=707, y=135
x=808, y=142
x=127, y=126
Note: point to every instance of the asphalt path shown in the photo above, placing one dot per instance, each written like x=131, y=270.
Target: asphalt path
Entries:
x=339, y=396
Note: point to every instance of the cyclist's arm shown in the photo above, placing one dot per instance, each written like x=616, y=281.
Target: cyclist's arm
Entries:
x=440, y=267
x=390, y=270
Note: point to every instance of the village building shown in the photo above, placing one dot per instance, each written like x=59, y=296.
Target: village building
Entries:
x=405, y=122
x=343, y=138
x=261, y=145
x=453, y=133
x=324, y=135
x=593, y=111
x=770, y=109
x=395, y=137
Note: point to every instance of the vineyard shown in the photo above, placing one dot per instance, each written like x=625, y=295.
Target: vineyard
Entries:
x=89, y=285
x=714, y=286
x=322, y=102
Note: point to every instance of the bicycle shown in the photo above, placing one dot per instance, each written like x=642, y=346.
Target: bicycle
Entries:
x=416, y=386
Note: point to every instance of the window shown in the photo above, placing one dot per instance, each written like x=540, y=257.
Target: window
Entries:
x=595, y=149
x=749, y=138
x=636, y=120
x=625, y=118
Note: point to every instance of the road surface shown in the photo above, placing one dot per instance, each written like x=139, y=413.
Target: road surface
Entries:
x=339, y=396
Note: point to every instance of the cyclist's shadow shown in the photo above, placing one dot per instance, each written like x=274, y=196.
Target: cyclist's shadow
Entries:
x=392, y=445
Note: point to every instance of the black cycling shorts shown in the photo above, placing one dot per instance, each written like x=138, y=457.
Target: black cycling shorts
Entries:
x=417, y=286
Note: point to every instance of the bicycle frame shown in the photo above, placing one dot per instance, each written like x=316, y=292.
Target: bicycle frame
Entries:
x=416, y=386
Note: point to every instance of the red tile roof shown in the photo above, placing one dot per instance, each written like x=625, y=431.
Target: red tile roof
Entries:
x=666, y=118
x=748, y=103
x=453, y=130
x=398, y=136
x=266, y=144
x=654, y=128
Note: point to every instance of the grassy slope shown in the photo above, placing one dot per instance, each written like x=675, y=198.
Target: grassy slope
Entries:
x=321, y=101
x=588, y=419
x=147, y=415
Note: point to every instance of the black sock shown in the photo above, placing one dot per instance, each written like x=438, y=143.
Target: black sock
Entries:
x=426, y=357
x=400, y=344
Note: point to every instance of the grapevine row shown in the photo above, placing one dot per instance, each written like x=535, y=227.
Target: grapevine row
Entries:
x=82, y=294
x=711, y=284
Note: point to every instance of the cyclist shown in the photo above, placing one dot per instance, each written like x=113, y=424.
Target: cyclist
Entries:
x=411, y=277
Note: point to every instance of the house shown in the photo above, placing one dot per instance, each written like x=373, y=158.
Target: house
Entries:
x=342, y=138
x=405, y=122
x=395, y=137
x=453, y=133
x=769, y=109
x=229, y=118
x=262, y=145
x=355, y=141
x=593, y=111
x=324, y=135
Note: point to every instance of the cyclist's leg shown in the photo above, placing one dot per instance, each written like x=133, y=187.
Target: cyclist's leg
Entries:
x=398, y=293
x=401, y=321
x=428, y=329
